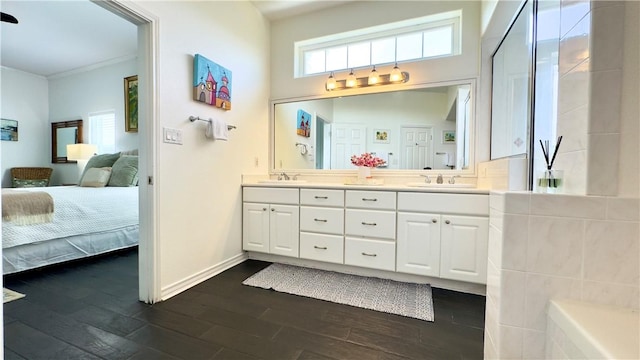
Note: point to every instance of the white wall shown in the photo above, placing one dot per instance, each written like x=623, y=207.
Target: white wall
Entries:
x=25, y=98
x=198, y=183
x=75, y=96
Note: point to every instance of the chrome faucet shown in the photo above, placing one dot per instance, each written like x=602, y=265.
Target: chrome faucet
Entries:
x=283, y=176
x=453, y=179
x=439, y=179
x=427, y=179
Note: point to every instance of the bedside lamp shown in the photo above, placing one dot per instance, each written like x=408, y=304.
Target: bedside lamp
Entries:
x=81, y=153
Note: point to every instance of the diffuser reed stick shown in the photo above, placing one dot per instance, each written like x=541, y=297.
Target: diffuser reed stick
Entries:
x=551, y=182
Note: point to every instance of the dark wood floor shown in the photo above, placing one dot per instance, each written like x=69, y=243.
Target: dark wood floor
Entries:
x=89, y=310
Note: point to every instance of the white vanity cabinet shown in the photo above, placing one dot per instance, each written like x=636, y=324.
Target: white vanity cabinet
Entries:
x=370, y=229
x=322, y=225
x=443, y=235
x=270, y=222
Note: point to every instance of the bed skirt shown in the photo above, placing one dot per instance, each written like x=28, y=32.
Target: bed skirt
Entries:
x=34, y=255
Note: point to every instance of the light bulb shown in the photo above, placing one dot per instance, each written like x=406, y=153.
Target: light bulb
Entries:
x=351, y=80
x=395, y=75
x=373, y=77
x=331, y=82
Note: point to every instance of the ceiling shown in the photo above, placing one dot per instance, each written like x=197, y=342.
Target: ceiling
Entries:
x=51, y=38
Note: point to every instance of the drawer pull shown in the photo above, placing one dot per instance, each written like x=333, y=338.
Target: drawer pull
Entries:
x=365, y=199
x=273, y=209
x=372, y=255
x=434, y=221
x=321, y=197
x=447, y=222
x=320, y=220
x=320, y=247
x=370, y=224
x=264, y=209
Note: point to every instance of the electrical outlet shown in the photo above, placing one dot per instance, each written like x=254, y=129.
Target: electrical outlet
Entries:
x=172, y=136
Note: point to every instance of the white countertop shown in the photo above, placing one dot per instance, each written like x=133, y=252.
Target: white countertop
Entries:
x=384, y=187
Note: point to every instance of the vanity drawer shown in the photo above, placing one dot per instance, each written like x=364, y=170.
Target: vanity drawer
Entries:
x=322, y=220
x=381, y=200
x=370, y=223
x=465, y=204
x=321, y=247
x=271, y=195
x=369, y=253
x=321, y=197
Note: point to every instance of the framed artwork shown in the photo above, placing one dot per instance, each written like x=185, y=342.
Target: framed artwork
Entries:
x=211, y=83
x=8, y=130
x=448, y=136
x=131, y=103
x=303, y=123
x=381, y=136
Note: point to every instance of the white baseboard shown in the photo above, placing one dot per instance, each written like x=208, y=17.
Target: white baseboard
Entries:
x=195, y=279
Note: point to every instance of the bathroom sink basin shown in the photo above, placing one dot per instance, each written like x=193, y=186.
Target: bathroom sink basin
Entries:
x=271, y=181
x=435, y=185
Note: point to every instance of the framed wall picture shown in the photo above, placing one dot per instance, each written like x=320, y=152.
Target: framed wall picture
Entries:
x=448, y=136
x=211, y=83
x=131, y=103
x=303, y=123
x=381, y=136
x=8, y=130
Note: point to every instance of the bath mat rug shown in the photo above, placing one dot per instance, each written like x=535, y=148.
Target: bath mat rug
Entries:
x=395, y=297
x=10, y=295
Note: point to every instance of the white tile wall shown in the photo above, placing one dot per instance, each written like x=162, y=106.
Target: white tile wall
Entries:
x=575, y=247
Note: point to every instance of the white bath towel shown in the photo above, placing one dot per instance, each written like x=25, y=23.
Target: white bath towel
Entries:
x=217, y=130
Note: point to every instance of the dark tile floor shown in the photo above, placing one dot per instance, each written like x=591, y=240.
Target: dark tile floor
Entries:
x=89, y=310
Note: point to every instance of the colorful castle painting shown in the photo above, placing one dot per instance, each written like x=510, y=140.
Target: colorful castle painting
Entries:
x=211, y=83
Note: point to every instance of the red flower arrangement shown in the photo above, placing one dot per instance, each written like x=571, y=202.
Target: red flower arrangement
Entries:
x=367, y=159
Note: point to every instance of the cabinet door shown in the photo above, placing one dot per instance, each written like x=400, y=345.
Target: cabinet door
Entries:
x=464, y=248
x=418, y=244
x=255, y=227
x=284, y=230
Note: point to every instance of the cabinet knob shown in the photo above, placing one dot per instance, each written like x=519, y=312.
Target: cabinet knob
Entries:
x=434, y=221
x=264, y=209
x=447, y=222
x=273, y=209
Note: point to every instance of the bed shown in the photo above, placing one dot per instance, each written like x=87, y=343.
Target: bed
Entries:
x=86, y=221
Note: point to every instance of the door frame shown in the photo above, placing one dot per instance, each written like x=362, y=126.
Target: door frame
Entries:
x=149, y=289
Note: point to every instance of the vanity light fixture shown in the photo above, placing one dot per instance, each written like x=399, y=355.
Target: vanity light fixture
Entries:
x=374, y=79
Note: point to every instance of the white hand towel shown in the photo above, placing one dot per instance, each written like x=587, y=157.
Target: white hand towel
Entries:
x=217, y=130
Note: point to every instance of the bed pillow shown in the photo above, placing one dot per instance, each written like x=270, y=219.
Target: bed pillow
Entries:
x=19, y=183
x=100, y=161
x=96, y=177
x=125, y=171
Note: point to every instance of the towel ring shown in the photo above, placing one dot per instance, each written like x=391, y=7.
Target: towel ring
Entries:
x=303, y=149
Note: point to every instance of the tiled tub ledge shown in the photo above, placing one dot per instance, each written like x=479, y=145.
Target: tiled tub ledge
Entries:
x=579, y=330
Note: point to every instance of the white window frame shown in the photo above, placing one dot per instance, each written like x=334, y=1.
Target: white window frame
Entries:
x=449, y=18
x=95, y=131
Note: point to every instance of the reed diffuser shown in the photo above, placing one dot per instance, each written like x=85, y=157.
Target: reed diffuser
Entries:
x=550, y=180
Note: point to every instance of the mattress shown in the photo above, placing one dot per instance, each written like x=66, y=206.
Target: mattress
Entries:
x=87, y=221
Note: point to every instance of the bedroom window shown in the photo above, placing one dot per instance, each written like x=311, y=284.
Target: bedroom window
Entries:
x=416, y=39
x=102, y=131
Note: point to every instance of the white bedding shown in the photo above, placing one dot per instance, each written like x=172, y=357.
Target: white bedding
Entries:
x=77, y=211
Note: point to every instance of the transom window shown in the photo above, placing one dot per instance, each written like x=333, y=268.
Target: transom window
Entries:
x=409, y=40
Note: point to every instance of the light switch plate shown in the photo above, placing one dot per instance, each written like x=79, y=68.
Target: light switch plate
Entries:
x=172, y=136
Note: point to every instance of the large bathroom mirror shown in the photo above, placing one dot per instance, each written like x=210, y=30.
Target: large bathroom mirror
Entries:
x=511, y=98
x=427, y=128
x=64, y=133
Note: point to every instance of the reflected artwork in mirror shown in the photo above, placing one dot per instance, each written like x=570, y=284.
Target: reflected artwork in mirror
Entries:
x=511, y=95
x=64, y=133
x=403, y=127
